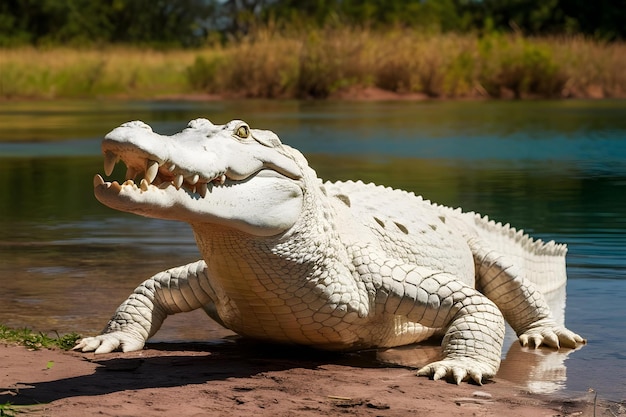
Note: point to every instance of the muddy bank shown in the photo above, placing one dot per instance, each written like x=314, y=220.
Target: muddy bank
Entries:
x=241, y=378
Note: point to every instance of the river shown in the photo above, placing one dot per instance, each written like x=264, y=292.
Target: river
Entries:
x=557, y=169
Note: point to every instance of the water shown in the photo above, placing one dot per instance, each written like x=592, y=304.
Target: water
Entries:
x=556, y=169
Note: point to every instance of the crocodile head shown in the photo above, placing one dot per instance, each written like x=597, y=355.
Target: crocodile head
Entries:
x=222, y=174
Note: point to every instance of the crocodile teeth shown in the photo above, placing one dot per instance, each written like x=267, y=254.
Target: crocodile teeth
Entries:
x=131, y=173
x=219, y=180
x=151, y=171
x=115, y=186
x=202, y=189
x=194, y=179
x=110, y=159
x=98, y=180
x=178, y=181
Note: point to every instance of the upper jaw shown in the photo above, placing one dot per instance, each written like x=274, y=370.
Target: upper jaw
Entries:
x=156, y=159
x=214, y=199
x=158, y=171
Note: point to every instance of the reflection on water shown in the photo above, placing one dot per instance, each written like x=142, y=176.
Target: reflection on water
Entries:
x=555, y=169
x=539, y=371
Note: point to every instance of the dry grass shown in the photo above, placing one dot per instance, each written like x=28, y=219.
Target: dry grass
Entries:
x=318, y=63
x=53, y=73
x=264, y=67
x=592, y=69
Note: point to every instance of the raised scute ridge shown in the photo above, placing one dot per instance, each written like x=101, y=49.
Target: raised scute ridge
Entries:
x=533, y=246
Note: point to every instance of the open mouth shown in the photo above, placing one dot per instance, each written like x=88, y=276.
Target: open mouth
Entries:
x=160, y=174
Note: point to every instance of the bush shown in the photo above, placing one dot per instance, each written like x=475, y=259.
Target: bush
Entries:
x=202, y=73
x=330, y=61
x=520, y=66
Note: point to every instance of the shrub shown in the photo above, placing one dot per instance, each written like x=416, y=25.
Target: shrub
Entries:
x=521, y=66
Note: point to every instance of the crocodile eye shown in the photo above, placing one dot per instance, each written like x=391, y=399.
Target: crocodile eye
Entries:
x=243, y=132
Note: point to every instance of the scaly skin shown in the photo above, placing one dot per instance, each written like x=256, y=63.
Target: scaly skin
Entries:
x=345, y=265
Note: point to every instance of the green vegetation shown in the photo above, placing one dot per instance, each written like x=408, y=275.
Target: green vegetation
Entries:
x=8, y=410
x=294, y=49
x=94, y=22
x=38, y=340
x=318, y=63
x=61, y=72
x=191, y=22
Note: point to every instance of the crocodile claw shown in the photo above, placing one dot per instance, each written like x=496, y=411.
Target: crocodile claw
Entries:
x=547, y=333
x=458, y=370
x=108, y=342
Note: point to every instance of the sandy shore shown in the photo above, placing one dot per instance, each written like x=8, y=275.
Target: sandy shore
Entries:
x=239, y=378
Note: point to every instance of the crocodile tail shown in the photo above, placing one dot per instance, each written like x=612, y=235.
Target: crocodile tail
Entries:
x=542, y=263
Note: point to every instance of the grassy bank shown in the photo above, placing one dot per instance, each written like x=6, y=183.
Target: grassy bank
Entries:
x=70, y=73
x=322, y=63
x=36, y=340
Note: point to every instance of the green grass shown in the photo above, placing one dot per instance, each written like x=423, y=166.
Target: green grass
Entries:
x=8, y=410
x=317, y=63
x=37, y=340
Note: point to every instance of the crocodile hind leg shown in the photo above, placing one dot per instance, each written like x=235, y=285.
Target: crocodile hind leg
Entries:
x=521, y=303
x=175, y=290
x=474, y=327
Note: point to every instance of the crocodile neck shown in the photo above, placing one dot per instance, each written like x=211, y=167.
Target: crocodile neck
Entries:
x=254, y=276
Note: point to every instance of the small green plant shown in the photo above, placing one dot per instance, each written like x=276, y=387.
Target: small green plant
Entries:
x=37, y=340
x=7, y=410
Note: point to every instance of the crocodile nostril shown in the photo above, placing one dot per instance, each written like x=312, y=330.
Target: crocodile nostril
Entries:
x=198, y=123
x=137, y=124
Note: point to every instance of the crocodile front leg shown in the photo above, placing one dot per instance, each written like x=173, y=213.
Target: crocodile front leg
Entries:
x=175, y=290
x=474, y=326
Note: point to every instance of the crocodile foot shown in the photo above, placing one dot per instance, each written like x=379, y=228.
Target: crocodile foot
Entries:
x=109, y=342
x=458, y=370
x=547, y=333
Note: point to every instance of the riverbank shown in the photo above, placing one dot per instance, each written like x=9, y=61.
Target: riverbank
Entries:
x=326, y=63
x=240, y=379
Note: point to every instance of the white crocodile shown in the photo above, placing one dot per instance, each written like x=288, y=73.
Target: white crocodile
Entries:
x=346, y=265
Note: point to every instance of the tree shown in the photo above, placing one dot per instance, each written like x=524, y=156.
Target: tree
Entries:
x=602, y=19
x=188, y=22
x=180, y=22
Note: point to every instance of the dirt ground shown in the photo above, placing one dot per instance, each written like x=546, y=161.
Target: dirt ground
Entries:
x=239, y=378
